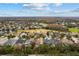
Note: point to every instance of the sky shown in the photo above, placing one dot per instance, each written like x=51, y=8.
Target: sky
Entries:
x=39, y=9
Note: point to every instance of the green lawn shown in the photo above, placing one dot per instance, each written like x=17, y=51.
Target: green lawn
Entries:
x=73, y=30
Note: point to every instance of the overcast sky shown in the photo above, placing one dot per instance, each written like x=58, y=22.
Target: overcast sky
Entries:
x=40, y=9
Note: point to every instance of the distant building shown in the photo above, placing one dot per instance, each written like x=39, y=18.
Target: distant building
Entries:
x=28, y=42
x=47, y=40
x=12, y=41
x=38, y=41
x=76, y=40
x=56, y=41
x=3, y=40
x=57, y=26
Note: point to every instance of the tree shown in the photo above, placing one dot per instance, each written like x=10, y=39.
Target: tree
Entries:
x=6, y=49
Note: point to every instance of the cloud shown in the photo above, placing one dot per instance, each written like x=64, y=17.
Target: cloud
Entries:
x=58, y=4
x=75, y=10
x=71, y=11
x=67, y=12
x=37, y=6
x=57, y=8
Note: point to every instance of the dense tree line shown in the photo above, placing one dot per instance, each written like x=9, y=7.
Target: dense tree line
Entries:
x=68, y=50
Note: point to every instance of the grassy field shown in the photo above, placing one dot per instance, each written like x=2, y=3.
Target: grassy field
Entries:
x=33, y=31
x=73, y=29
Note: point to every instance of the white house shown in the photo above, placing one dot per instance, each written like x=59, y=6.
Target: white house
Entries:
x=76, y=40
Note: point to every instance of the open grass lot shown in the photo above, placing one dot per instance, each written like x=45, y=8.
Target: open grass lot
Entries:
x=73, y=29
